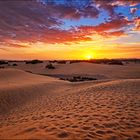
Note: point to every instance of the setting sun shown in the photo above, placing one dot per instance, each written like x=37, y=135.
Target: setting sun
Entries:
x=89, y=56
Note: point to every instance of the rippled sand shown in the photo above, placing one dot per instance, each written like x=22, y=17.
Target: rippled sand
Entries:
x=34, y=106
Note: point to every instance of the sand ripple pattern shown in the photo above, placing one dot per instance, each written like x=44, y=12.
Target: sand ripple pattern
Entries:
x=104, y=111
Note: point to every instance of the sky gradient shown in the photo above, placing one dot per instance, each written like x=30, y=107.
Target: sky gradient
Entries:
x=69, y=29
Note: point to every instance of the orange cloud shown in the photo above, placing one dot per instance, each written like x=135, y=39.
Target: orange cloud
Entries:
x=111, y=28
x=137, y=23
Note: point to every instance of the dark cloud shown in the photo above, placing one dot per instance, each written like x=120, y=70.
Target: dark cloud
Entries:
x=106, y=5
x=23, y=18
x=71, y=11
x=33, y=21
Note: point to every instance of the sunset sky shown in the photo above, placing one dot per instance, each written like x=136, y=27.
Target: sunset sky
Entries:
x=69, y=29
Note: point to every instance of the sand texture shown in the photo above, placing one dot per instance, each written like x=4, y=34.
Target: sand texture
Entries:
x=41, y=107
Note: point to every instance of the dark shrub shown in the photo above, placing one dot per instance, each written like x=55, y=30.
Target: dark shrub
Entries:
x=33, y=62
x=1, y=67
x=14, y=64
x=75, y=61
x=3, y=62
x=52, y=61
x=61, y=62
x=78, y=79
x=115, y=62
x=50, y=66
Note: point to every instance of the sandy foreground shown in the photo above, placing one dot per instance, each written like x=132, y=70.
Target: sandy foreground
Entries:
x=34, y=106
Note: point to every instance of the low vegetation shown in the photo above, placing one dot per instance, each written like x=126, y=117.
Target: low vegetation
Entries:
x=15, y=64
x=78, y=79
x=99, y=61
x=3, y=62
x=2, y=67
x=33, y=61
x=50, y=66
x=115, y=62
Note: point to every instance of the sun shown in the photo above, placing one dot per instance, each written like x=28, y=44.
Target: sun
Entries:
x=89, y=56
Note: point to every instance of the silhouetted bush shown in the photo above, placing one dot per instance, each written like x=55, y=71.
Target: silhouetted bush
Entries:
x=78, y=79
x=76, y=61
x=33, y=62
x=50, y=66
x=2, y=67
x=14, y=64
x=115, y=62
x=52, y=61
x=101, y=61
x=3, y=62
x=62, y=62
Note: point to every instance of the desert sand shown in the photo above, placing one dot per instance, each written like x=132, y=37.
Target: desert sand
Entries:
x=34, y=106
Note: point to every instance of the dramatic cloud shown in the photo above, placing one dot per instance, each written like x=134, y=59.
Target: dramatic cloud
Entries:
x=71, y=10
x=41, y=21
x=111, y=28
x=33, y=21
x=23, y=18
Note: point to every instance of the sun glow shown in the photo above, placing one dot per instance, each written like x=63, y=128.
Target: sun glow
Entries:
x=89, y=56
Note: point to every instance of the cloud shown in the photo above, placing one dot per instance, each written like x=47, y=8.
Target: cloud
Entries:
x=126, y=2
x=110, y=28
x=137, y=24
x=40, y=21
x=32, y=21
x=20, y=18
x=133, y=10
x=62, y=11
x=115, y=33
x=110, y=5
x=106, y=6
x=13, y=45
x=71, y=10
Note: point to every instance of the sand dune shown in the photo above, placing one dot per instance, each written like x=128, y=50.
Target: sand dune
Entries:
x=35, y=106
x=17, y=87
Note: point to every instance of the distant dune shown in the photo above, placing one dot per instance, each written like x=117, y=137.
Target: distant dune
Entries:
x=99, y=71
x=34, y=106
